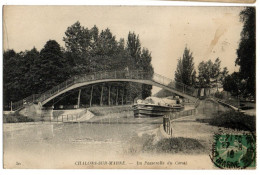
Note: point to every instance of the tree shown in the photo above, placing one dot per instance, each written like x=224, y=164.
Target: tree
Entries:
x=210, y=74
x=140, y=60
x=223, y=75
x=86, y=51
x=185, y=72
x=216, y=74
x=232, y=83
x=77, y=38
x=204, y=76
x=7, y=55
x=30, y=73
x=107, y=44
x=134, y=49
x=9, y=71
x=145, y=60
x=246, y=53
x=80, y=43
x=51, y=66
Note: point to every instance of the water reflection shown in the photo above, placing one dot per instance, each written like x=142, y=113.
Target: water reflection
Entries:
x=103, y=137
x=207, y=108
x=46, y=140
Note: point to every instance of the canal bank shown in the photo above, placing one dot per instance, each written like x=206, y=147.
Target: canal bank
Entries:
x=111, y=136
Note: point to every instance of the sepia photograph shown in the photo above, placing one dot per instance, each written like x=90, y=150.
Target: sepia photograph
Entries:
x=222, y=1
x=129, y=87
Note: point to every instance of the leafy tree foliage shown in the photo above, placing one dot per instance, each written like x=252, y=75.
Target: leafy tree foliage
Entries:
x=19, y=74
x=141, y=60
x=145, y=63
x=134, y=45
x=232, y=83
x=204, y=76
x=30, y=78
x=210, y=74
x=86, y=50
x=50, y=66
x=223, y=74
x=9, y=65
x=77, y=38
x=185, y=72
x=246, y=53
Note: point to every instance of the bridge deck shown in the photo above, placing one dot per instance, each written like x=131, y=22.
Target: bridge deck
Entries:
x=115, y=76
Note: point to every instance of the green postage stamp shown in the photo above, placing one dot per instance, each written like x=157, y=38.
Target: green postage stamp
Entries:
x=234, y=151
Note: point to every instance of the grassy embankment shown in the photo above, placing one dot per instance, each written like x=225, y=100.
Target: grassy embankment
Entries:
x=178, y=145
x=231, y=119
x=15, y=118
x=238, y=103
x=112, y=111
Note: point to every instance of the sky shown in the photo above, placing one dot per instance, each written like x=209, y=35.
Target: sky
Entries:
x=209, y=32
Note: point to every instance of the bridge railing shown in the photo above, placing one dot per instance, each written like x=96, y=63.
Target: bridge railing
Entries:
x=124, y=74
x=175, y=85
x=93, y=77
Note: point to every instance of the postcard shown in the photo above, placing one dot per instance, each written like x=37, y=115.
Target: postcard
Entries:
x=129, y=87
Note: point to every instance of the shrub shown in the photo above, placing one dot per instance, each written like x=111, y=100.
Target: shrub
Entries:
x=16, y=118
x=219, y=95
x=179, y=145
x=232, y=119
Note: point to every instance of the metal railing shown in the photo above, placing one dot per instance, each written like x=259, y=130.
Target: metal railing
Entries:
x=140, y=75
x=224, y=102
x=168, y=119
x=175, y=85
x=69, y=117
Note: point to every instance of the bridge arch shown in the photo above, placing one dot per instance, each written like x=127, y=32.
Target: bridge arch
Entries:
x=113, y=76
x=148, y=82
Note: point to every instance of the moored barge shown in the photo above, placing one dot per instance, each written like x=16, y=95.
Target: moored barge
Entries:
x=156, y=107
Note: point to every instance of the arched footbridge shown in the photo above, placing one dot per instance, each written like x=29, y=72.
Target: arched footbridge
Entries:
x=113, y=76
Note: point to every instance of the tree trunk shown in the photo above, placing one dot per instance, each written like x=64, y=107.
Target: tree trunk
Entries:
x=79, y=98
x=11, y=106
x=117, y=95
x=101, y=96
x=109, y=87
x=91, y=94
x=123, y=97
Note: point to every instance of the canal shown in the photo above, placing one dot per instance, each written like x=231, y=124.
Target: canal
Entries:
x=46, y=144
x=67, y=145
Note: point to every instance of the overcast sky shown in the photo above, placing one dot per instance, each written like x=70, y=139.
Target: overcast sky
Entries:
x=209, y=32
